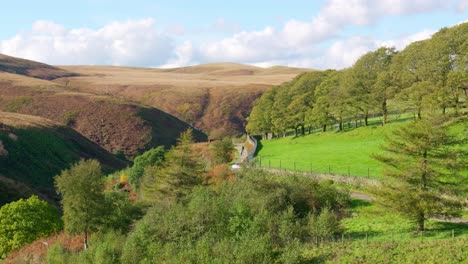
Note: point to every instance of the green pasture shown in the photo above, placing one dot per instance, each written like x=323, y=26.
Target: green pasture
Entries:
x=346, y=152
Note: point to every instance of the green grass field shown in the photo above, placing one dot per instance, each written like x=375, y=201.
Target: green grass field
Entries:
x=381, y=224
x=330, y=152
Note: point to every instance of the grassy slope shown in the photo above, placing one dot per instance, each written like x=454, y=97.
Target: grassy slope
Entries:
x=38, y=149
x=215, y=97
x=380, y=224
x=433, y=251
x=344, y=153
x=340, y=150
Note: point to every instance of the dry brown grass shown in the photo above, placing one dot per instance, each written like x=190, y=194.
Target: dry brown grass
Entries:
x=37, y=251
x=112, y=122
x=25, y=121
x=216, y=97
x=31, y=68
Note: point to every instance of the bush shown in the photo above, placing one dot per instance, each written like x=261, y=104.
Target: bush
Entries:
x=152, y=157
x=255, y=218
x=105, y=248
x=56, y=254
x=24, y=221
x=222, y=151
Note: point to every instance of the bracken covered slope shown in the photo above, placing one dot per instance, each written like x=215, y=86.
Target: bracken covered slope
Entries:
x=215, y=97
x=116, y=124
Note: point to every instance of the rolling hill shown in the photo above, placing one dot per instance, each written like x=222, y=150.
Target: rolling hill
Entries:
x=215, y=97
x=32, y=68
x=33, y=150
x=115, y=123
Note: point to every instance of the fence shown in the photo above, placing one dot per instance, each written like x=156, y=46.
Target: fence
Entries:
x=312, y=167
x=367, y=237
x=350, y=123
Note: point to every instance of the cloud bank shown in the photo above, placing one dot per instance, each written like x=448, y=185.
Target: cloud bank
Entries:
x=317, y=43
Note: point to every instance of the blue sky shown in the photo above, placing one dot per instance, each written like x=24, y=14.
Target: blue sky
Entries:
x=313, y=34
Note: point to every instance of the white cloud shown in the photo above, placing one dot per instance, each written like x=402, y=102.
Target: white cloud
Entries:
x=298, y=39
x=132, y=42
x=184, y=56
x=401, y=43
x=317, y=43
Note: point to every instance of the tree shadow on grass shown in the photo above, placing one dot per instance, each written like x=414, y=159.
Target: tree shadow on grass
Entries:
x=259, y=147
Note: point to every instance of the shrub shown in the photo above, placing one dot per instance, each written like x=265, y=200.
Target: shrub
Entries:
x=152, y=157
x=254, y=218
x=222, y=151
x=24, y=221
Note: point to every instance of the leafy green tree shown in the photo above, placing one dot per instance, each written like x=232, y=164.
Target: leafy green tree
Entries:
x=83, y=201
x=322, y=111
x=120, y=211
x=259, y=120
x=279, y=114
x=24, y=221
x=367, y=95
x=302, y=94
x=152, y=157
x=418, y=96
x=424, y=166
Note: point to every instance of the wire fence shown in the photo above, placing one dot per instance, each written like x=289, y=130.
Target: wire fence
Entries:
x=370, y=236
x=312, y=167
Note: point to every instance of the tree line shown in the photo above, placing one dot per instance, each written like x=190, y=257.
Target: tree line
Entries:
x=430, y=73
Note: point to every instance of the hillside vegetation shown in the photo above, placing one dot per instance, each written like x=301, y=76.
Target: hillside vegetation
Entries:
x=33, y=150
x=214, y=97
x=428, y=75
x=185, y=204
x=117, y=125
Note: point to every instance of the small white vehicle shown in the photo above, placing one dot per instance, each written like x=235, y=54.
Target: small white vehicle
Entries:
x=235, y=166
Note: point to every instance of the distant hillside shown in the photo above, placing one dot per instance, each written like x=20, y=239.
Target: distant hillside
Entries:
x=116, y=124
x=33, y=150
x=216, y=97
x=32, y=68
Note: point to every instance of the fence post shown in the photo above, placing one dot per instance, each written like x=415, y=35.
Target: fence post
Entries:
x=280, y=164
x=453, y=234
x=368, y=172
x=294, y=165
x=349, y=171
x=269, y=164
x=329, y=169
x=311, y=168
x=342, y=238
x=260, y=162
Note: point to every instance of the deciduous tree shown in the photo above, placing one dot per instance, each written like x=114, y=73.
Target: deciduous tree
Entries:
x=83, y=200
